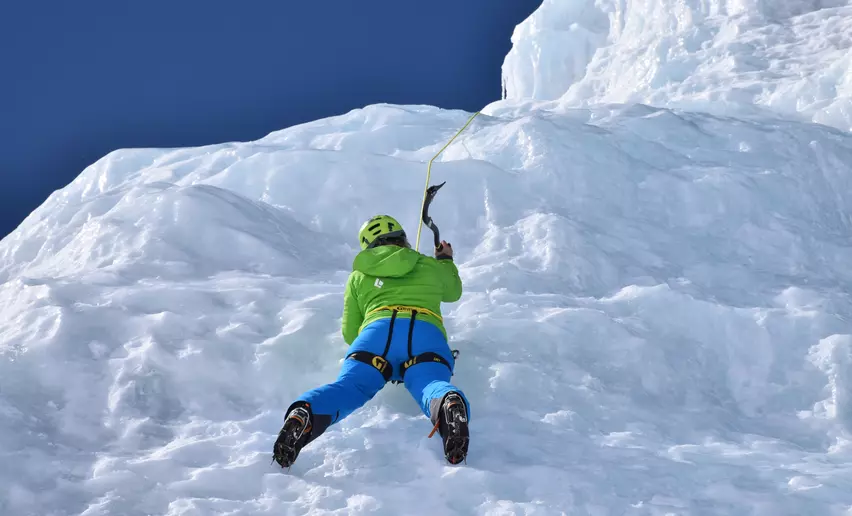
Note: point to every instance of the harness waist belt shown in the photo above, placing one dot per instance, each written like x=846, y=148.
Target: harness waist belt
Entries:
x=408, y=309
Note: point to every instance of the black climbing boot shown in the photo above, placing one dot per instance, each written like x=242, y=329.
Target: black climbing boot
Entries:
x=452, y=424
x=292, y=437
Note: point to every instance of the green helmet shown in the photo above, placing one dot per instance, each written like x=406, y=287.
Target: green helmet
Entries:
x=377, y=229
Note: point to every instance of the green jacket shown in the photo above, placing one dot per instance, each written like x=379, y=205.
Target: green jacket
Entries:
x=391, y=275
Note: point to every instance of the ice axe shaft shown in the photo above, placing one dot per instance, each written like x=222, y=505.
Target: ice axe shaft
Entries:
x=430, y=194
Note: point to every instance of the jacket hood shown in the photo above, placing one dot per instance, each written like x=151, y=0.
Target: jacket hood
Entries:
x=387, y=261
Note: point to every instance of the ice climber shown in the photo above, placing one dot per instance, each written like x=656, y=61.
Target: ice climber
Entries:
x=392, y=322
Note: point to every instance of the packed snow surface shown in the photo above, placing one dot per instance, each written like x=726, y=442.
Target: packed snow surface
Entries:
x=657, y=317
x=789, y=58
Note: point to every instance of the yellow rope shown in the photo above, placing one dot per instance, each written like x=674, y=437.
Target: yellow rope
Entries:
x=429, y=176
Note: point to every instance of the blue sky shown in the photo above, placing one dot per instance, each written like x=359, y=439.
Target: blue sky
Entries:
x=79, y=79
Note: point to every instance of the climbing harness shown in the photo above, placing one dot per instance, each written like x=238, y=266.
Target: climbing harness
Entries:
x=381, y=363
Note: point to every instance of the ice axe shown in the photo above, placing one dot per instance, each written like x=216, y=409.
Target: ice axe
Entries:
x=430, y=194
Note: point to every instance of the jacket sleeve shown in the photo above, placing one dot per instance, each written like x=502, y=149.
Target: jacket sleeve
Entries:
x=450, y=279
x=352, y=315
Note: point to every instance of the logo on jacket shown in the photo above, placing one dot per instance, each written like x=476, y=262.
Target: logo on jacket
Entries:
x=378, y=283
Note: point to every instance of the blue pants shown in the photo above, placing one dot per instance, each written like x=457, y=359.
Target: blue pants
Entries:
x=358, y=382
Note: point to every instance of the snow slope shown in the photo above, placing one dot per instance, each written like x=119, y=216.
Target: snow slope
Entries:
x=729, y=57
x=657, y=319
